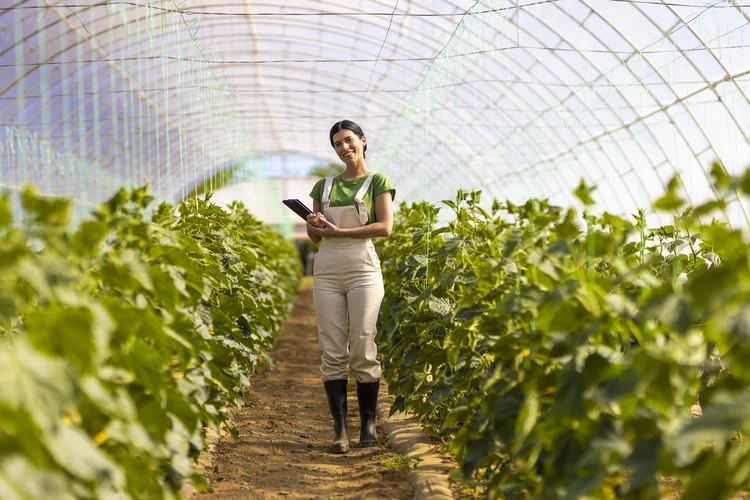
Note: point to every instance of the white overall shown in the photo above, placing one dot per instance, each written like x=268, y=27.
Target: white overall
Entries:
x=347, y=285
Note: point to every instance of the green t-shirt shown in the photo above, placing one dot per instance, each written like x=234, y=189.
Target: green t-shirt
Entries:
x=343, y=192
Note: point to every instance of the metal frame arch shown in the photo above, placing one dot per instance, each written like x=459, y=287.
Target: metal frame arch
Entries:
x=506, y=92
x=719, y=99
x=291, y=22
x=88, y=67
x=548, y=122
x=642, y=117
x=82, y=40
x=541, y=114
x=584, y=83
x=90, y=40
x=662, y=108
x=534, y=91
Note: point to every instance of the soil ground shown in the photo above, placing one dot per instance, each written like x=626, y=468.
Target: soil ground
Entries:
x=286, y=427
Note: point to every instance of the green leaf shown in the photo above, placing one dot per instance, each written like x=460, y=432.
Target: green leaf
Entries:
x=670, y=202
x=87, y=462
x=22, y=480
x=719, y=175
x=703, y=483
x=6, y=215
x=527, y=418
x=137, y=268
x=583, y=193
x=709, y=207
x=51, y=214
x=450, y=204
x=439, y=306
x=568, y=229
x=476, y=452
x=644, y=461
x=79, y=335
x=671, y=309
x=43, y=385
x=89, y=236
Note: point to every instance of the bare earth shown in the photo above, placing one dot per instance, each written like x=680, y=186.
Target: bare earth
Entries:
x=286, y=427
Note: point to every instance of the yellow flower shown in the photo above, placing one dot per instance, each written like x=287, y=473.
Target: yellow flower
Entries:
x=101, y=436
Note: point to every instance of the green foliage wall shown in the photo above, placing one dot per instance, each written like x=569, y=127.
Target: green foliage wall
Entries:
x=560, y=360
x=123, y=341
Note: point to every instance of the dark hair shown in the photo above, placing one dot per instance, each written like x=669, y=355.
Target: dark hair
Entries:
x=348, y=125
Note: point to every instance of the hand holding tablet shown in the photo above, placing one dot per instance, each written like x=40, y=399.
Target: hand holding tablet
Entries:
x=298, y=207
x=303, y=211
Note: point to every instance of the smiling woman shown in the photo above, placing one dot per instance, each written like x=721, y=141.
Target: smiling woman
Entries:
x=350, y=209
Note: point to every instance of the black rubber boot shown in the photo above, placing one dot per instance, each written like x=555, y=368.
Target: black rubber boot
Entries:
x=336, y=392
x=367, y=395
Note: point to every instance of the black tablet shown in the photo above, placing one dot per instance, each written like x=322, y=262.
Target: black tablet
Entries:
x=297, y=207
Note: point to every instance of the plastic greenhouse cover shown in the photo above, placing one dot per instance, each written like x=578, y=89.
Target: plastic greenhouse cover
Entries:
x=521, y=99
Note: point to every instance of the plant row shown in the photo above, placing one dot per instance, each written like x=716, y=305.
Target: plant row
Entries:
x=123, y=339
x=559, y=354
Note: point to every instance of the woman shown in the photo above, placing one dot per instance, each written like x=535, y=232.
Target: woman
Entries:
x=349, y=210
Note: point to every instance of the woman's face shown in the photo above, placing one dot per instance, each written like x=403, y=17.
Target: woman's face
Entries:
x=348, y=146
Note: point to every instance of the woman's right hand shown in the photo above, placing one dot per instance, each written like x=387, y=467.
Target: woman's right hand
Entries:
x=316, y=220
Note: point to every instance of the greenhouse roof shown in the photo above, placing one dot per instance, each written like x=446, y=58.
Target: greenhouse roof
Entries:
x=521, y=99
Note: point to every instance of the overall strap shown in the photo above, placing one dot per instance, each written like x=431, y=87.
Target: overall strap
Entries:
x=359, y=197
x=326, y=198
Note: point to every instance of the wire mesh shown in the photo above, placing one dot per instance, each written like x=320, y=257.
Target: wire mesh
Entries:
x=101, y=96
x=520, y=98
x=621, y=94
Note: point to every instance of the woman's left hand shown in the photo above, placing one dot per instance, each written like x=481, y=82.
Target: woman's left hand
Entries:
x=330, y=230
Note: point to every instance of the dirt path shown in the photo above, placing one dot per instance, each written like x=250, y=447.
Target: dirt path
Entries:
x=286, y=427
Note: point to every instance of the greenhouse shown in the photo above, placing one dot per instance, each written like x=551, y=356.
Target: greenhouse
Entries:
x=535, y=281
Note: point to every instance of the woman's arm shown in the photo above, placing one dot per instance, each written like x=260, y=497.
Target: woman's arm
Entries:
x=312, y=220
x=380, y=229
